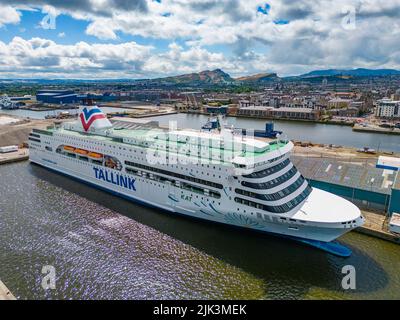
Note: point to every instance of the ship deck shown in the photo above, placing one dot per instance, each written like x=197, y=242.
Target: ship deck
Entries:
x=148, y=135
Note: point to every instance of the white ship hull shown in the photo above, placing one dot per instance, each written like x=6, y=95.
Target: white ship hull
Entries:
x=169, y=199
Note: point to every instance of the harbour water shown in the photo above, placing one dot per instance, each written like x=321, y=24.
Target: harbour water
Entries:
x=105, y=247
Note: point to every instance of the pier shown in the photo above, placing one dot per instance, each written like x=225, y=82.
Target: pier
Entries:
x=5, y=294
x=376, y=225
x=140, y=114
x=376, y=129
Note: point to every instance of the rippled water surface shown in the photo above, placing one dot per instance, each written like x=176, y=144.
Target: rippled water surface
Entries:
x=105, y=247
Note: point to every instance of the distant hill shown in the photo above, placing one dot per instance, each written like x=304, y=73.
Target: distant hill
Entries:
x=216, y=76
x=360, y=72
x=260, y=77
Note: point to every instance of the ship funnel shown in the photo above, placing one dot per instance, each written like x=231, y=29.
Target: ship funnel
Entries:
x=93, y=119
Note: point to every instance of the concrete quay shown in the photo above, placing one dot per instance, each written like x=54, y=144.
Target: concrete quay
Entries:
x=5, y=294
x=376, y=225
x=376, y=129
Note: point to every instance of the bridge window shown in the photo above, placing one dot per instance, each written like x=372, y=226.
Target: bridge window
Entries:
x=268, y=171
x=278, y=209
x=271, y=183
x=274, y=196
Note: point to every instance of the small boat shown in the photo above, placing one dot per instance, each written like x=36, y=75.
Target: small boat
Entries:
x=367, y=150
x=213, y=123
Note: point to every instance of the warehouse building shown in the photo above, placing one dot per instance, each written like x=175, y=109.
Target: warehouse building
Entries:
x=57, y=96
x=365, y=185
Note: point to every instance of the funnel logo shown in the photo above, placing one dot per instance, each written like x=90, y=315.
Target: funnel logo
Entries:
x=89, y=115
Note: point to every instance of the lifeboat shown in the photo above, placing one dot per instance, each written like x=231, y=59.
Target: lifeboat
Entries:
x=95, y=155
x=81, y=151
x=69, y=149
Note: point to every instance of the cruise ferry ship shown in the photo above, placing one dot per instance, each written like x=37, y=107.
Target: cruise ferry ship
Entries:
x=218, y=176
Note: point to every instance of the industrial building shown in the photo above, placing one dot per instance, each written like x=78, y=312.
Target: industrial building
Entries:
x=57, y=96
x=98, y=97
x=365, y=185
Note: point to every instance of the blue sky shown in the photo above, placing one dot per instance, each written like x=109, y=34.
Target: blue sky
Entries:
x=149, y=38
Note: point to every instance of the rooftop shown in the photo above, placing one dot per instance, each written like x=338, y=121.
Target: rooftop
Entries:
x=388, y=101
x=357, y=176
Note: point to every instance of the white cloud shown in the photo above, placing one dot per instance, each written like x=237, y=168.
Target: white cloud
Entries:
x=40, y=56
x=8, y=15
x=251, y=41
x=101, y=29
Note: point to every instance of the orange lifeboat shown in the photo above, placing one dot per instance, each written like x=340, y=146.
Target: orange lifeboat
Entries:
x=95, y=155
x=81, y=151
x=68, y=148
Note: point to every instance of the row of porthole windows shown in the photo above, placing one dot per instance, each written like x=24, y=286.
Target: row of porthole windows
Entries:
x=77, y=160
x=202, y=198
x=174, y=174
x=163, y=186
x=152, y=183
x=205, y=154
x=176, y=183
x=265, y=217
x=34, y=145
